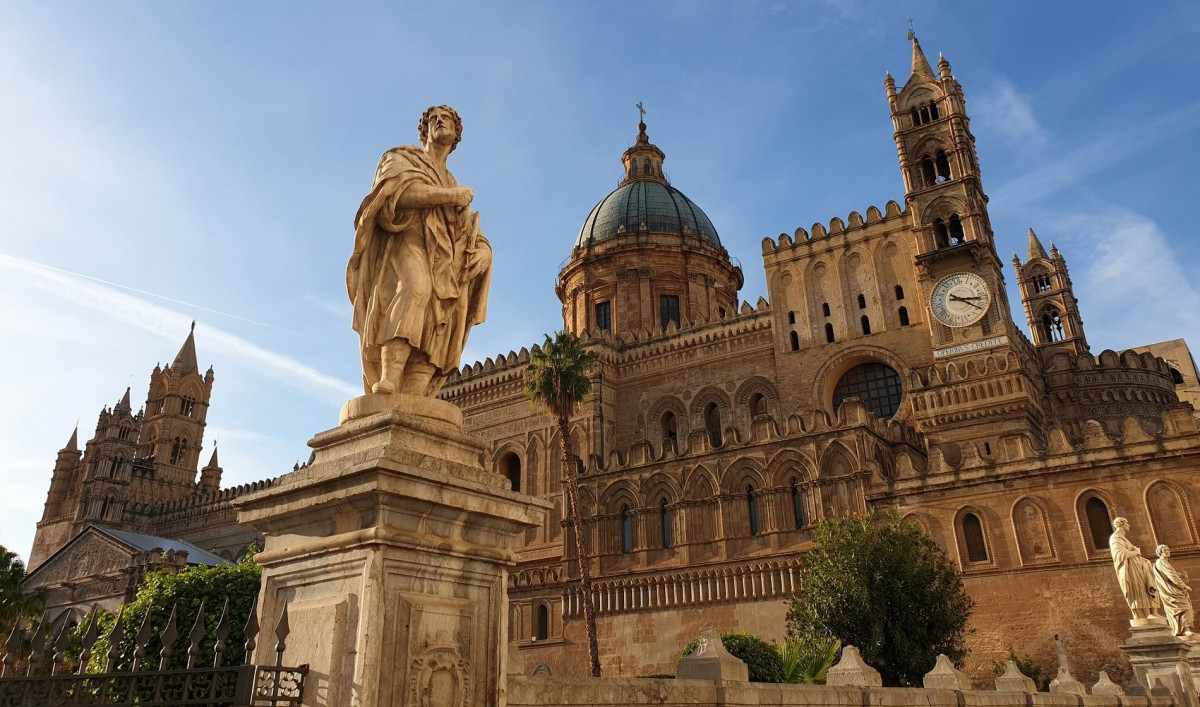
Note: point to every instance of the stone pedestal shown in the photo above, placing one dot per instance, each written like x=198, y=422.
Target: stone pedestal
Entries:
x=710, y=661
x=1159, y=657
x=390, y=550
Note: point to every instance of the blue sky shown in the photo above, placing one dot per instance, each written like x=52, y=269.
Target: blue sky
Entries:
x=164, y=162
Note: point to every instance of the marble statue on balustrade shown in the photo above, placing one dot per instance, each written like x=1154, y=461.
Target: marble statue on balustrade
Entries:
x=1135, y=573
x=419, y=274
x=1171, y=585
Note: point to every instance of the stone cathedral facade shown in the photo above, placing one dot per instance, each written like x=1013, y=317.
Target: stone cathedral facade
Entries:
x=886, y=371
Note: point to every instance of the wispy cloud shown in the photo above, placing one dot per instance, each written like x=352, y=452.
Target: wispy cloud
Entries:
x=1092, y=158
x=1133, y=287
x=1007, y=113
x=156, y=319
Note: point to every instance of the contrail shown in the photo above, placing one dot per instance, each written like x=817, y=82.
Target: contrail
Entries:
x=200, y=307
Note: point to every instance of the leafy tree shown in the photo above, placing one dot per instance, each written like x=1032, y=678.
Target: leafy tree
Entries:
x=887, y=588
x=761, y=658
x=184, y=591
x=15, y=604
x=557, y=379
x=807, y=663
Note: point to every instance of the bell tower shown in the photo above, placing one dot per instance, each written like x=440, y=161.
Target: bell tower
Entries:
x=959, y=273
x=1049, y=299
x=173, y=430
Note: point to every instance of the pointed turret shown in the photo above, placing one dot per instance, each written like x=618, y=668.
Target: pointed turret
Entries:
x=185, y=360
x=1035, y=248
x=212, y=461
x=123, y=405
x=73, y=443
x=210, y=475
x=920, y=65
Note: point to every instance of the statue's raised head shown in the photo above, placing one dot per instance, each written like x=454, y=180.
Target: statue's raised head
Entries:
x=436, y=117
x=1120, y=523
x=1163, y=551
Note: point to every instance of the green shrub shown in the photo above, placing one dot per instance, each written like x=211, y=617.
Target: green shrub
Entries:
x=760, y=657
x=808, y=662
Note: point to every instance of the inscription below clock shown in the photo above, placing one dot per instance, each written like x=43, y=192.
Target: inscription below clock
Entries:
x=960, y=299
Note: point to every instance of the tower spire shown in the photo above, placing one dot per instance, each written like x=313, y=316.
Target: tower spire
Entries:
x=1035, y=247
x=920, y=65
x=185, y=360
x=73, y=443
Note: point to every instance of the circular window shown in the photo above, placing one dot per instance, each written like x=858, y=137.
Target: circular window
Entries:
x=877, y=385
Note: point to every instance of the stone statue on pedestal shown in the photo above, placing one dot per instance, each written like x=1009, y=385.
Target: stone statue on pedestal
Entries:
x=1173, y=591
x=1135, y=574
x=419, y=274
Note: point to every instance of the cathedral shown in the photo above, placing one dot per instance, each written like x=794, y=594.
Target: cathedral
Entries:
x=886, y=371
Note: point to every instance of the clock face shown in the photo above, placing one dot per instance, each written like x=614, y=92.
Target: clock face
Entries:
x=960, y=299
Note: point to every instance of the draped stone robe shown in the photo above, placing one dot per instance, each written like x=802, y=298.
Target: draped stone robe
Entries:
x=1134, y=572
x=421, y=275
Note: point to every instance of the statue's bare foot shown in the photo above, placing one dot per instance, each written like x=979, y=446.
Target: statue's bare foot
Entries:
x=384, y=387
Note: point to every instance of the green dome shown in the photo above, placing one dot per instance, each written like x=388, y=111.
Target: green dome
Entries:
x=663, y=208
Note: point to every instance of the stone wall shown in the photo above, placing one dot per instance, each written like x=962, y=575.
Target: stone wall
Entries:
x=584, y=692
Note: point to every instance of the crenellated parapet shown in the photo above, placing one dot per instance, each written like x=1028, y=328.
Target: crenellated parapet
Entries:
x=854, y=226
x=1109, y=387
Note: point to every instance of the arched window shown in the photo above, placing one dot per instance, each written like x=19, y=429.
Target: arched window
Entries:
x=1052, y=326
x=903, y=316
x=542, y=631
x=712, y=424
x=972, y=530
x=752, y=509
x=926, y=115
x=862, y=302
x=916, y=117
x=186, y=405
x=795, y=341
x=626, y=530
x=797, y=504
x=933, y=111
x=648, y=168
x=928, y=173
x=1099, y=522
x=510, y=466
x=941, y=235
x=877, y=385
x=1042, y=282
x=1176, y=376
x=758, y=405
x=866, y=325
x=825, y=308
x=670, y=427
x=633, y=170
x=116, y=466
x=956, y=229
x=942, y=164
x=175, y=449
x=899, y=293
x=664, y=519
x=829, y=333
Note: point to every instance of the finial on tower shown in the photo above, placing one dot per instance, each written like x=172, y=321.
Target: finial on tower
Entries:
x=912, y=34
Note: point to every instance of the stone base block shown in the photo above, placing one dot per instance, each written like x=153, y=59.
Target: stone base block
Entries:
x=710, y=661
x=391, y=551
x=1158, y=657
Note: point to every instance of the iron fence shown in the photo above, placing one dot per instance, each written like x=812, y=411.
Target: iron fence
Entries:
x=35, y=670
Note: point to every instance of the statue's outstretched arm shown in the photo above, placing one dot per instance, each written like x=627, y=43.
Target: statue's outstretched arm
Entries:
x=424, y=196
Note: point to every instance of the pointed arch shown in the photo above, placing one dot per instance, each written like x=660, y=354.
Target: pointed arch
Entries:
x=767, y=400
x=1094, y=512
x=973, y=538
x=1170, y=514
x=787, y=463
x=699, y=484
x=742, y=471
x=1031, y=526
x=665, y=412
x=837, y=461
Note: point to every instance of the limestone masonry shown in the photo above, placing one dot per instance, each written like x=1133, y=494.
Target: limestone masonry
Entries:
x=886, y=371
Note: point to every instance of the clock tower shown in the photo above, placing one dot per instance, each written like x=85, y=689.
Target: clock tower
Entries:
x=959, y=273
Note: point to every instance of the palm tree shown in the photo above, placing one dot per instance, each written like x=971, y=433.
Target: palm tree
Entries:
x=557, y=378
x=808, y=663
x=14, y=603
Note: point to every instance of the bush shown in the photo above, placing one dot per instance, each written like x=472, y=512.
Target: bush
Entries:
x=760, y=657
x=885, y=587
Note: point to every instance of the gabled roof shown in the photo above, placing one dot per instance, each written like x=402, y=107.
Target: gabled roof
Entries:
x=137, y=541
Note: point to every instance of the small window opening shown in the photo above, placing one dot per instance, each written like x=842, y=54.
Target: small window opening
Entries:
x=543, y=623
x=626, y=530
x=987, y=448
x=942, y=163
x=185, y=406
x=956, y=229
x=647, y=168
x=972, y=530
x=668, y=310
x=795, y=341
x=712, y=424
x=510, y=466
x=928, y=172
x=721, y=312
x=899, y=293
x=862, y=302
x=791, y=317
x=1042, y=283
x=758, y=405
x=825, y=308
x=916, y=117
x=664, y=517
x=797, y=504
x=176, y=448
x=904, y=316
x=941, y=235
x=633, y=172
x=933, y=111
x=1099, y=522
x=604, y=316
x=1052, y=326
x=670, y=428
x=925, y=115
x=829, y=333
x=752, y=509
x=1176, y=376
x=866, y=325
